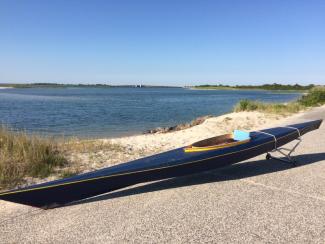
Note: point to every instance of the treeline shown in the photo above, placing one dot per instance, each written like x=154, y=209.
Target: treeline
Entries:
x=59, y=85
x=273, y=86
x=52, y=85
x=276, y=86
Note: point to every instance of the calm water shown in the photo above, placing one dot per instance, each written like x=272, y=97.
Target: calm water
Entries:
x=108, y=112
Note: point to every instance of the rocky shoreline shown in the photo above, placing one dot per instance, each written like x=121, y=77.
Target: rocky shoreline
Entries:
x=182, y=126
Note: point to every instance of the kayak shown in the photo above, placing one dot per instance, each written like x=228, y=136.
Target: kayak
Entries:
x=201, y=156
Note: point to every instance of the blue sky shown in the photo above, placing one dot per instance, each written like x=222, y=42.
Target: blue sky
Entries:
x=162, y=42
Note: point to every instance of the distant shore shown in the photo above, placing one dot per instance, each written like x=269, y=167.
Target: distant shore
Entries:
x=60, y=85
x=244, y=89
x=266, y=87
x=271, y=87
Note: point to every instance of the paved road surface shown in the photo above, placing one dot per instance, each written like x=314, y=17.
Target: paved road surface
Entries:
x=254, y=201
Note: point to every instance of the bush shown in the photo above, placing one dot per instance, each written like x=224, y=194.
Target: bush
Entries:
x=247, y=105
x=314, y=97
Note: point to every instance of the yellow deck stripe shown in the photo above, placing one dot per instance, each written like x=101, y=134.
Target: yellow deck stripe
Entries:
x=140, y=171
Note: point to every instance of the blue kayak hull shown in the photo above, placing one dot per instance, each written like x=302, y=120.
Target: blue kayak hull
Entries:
x=165, y=165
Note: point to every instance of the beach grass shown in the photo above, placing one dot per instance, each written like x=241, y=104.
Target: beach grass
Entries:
x=23, y=155
x=75, y=145
x=273, y=108
x=314, y=97
x=30, y=156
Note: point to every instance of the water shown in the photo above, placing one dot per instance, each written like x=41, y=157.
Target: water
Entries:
x=110, y=112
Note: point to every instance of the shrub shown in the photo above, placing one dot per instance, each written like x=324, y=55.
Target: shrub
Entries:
x=314, y=97
x=246, y=105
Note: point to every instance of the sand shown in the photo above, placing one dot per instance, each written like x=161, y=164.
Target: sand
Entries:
x=209, y=128
x=256, y=201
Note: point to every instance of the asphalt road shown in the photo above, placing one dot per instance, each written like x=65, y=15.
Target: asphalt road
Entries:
x=254, y=201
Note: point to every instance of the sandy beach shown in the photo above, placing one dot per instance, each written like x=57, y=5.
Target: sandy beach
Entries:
x=253, y=201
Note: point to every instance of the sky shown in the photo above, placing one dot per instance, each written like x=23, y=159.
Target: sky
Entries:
x=163, y=42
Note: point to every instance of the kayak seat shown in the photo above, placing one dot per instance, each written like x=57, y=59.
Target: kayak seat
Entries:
x=219, y=142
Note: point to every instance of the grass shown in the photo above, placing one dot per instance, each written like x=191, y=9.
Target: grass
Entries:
x=273, y=108
x=68, y=173
x=315, y=97
x=86, y=146
x=22, y=155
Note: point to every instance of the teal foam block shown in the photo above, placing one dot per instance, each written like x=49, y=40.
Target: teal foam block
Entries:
x=240, y=135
